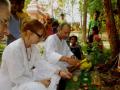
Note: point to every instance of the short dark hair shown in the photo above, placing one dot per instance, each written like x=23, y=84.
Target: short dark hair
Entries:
x=98, y=13
x=55, y=23
x=75, y=37
x=62, y=14
x=62, y=25
x=95, y=29
x=16, y=1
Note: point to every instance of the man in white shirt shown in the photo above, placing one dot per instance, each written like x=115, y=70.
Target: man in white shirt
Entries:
x=57, y=51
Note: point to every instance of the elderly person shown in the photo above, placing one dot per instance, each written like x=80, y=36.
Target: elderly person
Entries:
x=4, y=16
x=58, y=52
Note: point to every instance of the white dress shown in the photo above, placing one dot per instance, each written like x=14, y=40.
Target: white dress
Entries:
x=19, y=73
x=54, y=50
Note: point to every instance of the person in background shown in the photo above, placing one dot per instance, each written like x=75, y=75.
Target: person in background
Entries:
x=55, y=25
x=62, y=18
x=16, y=19
x=97, y=39
x=94, y=39
x=58, y=53
x=48, y=25
x=94, y=22
x=75, y=48
x=4, y=17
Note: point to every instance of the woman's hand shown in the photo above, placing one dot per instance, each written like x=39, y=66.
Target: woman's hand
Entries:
x=45, y=82
x=65, y=74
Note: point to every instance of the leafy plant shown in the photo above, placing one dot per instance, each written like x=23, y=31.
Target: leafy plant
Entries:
x=95, y=54
x=2, y=47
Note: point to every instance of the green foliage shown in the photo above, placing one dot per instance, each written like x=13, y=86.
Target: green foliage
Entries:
x=95, y=54
x=114, y=4
x=94, y=5
x=61, y=3
x=26, y=4
x=2, y=47
x=85, y=48
x=107, y=54
x=81, y=5
x=72, y=85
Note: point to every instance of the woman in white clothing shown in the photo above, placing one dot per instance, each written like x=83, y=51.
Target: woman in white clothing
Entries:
x=21, y=62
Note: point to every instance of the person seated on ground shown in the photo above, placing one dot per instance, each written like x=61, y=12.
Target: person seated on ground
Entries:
x=94, y=22
x=58, y=53
x=97, y=39
x=22, y=68
x=94, y=38
x=4, y=17
x=75, y=48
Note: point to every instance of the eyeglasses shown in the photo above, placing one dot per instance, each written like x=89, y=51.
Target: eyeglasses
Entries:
x=40, y=36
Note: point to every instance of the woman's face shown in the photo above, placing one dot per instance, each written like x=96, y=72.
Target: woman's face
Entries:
x=37, y=36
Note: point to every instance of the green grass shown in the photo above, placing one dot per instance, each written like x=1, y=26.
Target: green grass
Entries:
x=2, y=47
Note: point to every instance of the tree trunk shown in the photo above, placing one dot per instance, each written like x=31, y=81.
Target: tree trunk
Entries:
x=81, y=13
x=118, y=6
x=111, y=28
x=118, y=9
x=81, y=20
x=84, y=19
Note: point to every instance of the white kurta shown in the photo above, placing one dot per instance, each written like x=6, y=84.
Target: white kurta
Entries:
x=54, y=50
x=55, y=78
x=17, y=72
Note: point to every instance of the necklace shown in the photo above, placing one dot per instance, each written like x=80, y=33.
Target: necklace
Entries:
x=28, y=53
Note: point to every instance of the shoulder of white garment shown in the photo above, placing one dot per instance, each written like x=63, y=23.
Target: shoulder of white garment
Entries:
x=14, y=45
x=51, y=37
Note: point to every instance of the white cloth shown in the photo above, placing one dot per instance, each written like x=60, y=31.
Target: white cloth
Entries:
x=54, y=50
x=31, y=86
x=17, y=72
x=54, y=82
x=55, y=78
